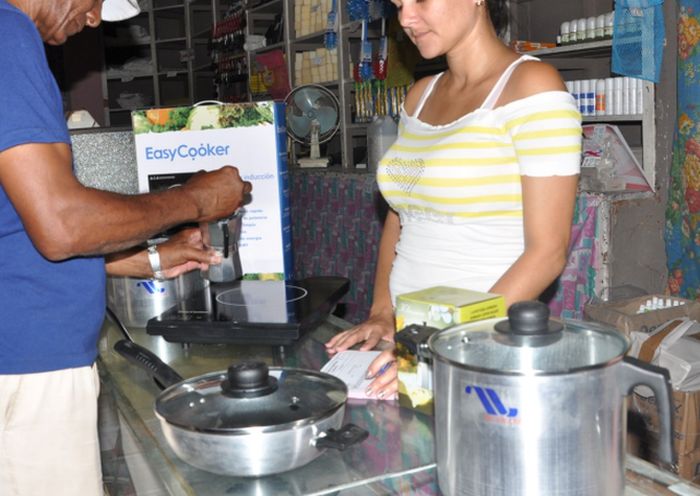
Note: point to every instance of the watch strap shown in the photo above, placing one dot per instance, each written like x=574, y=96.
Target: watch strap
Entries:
x=154, y=260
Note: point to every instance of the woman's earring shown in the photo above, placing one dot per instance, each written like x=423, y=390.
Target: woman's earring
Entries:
x=479, y=3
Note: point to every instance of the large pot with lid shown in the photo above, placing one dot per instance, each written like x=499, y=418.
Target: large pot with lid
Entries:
x=530, y=406
x=250, y=420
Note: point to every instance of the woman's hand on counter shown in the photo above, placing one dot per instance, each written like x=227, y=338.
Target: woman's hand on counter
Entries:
x=371, y=332
x=376, y=332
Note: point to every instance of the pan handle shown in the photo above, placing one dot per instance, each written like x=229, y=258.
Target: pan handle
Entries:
x=161, y=372
x=340, y=439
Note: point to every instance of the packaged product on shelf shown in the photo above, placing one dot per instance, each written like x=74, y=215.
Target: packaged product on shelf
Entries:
x=608, y=162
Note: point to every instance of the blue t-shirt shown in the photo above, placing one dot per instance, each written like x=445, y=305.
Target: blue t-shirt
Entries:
x=50, y=312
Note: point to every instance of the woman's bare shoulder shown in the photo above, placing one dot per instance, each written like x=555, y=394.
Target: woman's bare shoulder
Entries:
x=414, y=94
x=529, y=78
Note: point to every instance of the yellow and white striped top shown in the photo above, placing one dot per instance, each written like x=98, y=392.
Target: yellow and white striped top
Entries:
x=456, y=187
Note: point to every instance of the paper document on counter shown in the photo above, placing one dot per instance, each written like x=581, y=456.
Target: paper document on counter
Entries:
x=351, y=367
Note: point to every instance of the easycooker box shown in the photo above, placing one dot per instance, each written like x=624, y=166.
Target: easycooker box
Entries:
x=174, y=143
x=420, y=313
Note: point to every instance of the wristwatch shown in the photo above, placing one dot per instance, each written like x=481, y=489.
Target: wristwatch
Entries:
x=154, y=259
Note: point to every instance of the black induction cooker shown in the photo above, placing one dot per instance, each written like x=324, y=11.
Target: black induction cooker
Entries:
x=254, y=312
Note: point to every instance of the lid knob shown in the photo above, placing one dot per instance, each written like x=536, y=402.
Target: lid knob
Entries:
x=530, y=319
x=248, y=380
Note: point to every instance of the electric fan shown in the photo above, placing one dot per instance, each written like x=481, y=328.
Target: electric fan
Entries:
x=312, y=118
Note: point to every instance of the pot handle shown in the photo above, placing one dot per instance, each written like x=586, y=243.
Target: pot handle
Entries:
x=635, y=372
x=161, y=372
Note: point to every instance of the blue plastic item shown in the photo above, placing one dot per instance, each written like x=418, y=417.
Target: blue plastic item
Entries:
x=638, y=38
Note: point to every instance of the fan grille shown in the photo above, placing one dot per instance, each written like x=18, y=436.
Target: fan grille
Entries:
x=308, y=103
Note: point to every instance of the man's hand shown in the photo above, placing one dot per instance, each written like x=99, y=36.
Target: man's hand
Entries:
x=181, y=253
x=217, y=194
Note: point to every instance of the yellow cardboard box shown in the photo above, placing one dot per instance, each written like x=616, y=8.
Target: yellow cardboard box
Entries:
x=420, y=313
x=443, y=306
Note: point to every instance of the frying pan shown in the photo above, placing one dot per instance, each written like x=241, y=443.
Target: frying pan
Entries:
x=250, y=420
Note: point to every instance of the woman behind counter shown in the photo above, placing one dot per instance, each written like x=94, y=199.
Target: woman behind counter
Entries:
x=481, y=181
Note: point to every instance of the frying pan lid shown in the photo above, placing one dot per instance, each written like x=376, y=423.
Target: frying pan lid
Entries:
x=249, y=396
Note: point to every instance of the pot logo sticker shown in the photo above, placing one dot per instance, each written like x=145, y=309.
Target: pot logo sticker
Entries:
x=495, y=410
x=150, y=287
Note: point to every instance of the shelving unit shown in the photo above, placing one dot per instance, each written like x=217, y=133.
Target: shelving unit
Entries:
x=628, y=241
x=639, y=129
x=162, y=58
x=349, y=142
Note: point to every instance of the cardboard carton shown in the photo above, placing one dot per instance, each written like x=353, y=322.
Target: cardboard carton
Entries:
x=686, y=430
x=443, y=306
x=623, y=314
x=686, y=404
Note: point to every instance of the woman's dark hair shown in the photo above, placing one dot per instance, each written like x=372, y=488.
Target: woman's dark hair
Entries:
x=498, y=12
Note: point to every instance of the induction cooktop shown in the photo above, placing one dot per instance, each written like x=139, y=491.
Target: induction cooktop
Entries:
x=254, y=312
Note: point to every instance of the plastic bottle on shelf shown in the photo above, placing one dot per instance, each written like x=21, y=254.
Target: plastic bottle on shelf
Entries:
x=590, y=97
x=577, y=94
x=581, y=29
x=590, y=28
x=573, y=32
x=600, y=27
x=640, y=96
x=564, y=33
x=600, y=101
x=381, y=134
x=609, y=96
x=609, y=23
x=626, y=93
x=618, y=98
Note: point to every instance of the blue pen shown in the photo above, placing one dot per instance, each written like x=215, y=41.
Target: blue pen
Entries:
x=384, y=368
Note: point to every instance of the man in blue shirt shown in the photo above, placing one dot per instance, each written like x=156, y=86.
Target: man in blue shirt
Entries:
x=54, y=234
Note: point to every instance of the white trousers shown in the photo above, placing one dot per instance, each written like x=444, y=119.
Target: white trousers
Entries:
x=48, y=434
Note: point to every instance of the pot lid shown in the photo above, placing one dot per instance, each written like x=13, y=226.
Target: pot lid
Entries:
x=251, y=396
x=528, y=343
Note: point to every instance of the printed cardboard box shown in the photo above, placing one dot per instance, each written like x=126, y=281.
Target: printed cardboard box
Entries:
x=623, y=314
x=686, y=430
x=418, y=315
x=174, y=143
x=443, y=306
x=644, y=415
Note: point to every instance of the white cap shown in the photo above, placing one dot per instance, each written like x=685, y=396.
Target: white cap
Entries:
x=119, y=10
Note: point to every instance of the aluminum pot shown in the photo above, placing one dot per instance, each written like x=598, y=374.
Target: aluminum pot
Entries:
x=249, y=420
x=535, y=407
x=223, y=236
x=136, y=301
